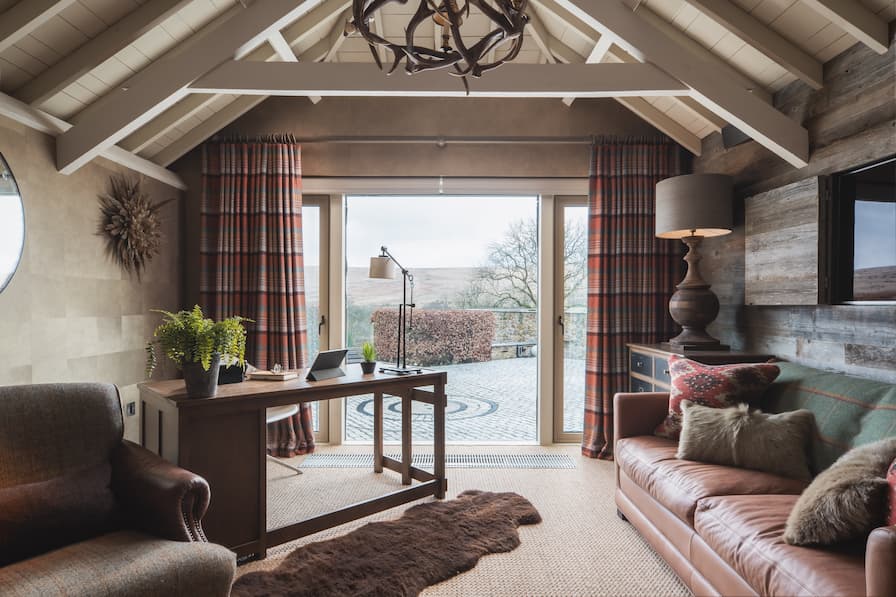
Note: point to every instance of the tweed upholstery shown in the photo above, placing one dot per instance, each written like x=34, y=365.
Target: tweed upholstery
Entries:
x=849, y=411
x=125, y=563
x=54, y=429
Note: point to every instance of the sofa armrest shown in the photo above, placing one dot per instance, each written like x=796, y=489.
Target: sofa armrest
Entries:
x=638, y=413
x=158, y=497
x=880, y=562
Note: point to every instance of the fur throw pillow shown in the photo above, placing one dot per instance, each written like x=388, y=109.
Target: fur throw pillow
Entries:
x=735, y=436
x=846, y=501
x=718, y=386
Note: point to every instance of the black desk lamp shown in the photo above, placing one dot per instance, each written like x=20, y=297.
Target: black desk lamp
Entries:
x=381, y=267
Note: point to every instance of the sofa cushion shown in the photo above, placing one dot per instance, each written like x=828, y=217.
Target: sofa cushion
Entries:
x=38, y=517
x=679, y=484
x=124, y=563
x=746, y=532
x=715, y=386
x=849, y=411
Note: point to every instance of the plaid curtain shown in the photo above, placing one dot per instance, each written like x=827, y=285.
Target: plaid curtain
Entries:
x=631, y=273
x=251, y=261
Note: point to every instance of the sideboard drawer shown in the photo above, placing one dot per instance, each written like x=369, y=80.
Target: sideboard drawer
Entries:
x=639, y=385
x=661, y=370
x=641, y=363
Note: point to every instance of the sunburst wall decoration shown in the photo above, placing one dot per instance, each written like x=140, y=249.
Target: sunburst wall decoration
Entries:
x=130, y=223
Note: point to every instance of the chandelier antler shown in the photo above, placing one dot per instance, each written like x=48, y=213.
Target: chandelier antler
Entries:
x=507, y=17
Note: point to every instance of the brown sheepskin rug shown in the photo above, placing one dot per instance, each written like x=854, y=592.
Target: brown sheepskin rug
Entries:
x=430, y=543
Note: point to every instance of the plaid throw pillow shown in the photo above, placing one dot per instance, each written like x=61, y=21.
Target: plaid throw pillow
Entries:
x=891, y=479
x=715, y=386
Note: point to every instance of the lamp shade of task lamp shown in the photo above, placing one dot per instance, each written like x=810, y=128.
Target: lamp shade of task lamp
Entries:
x=689, y=208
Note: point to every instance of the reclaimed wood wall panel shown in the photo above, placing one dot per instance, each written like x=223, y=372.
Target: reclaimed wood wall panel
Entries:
x=781, y=264
x=851, y=121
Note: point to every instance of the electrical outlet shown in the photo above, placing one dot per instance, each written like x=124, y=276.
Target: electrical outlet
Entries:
x=131, y=409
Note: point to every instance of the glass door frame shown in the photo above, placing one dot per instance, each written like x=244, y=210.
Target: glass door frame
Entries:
x=560, y=204
x=322, y=326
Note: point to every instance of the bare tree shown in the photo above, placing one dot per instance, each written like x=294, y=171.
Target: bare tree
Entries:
x=510, y=276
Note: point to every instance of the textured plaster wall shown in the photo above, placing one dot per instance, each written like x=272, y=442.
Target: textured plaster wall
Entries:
x=69, y=314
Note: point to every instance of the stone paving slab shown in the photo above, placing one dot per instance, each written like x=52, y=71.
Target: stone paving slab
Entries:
x=495, y=401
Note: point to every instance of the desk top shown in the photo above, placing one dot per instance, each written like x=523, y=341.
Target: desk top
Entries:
x=352, y=383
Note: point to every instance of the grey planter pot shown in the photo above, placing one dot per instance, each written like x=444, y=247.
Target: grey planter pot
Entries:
x=202, y=383
x=368, y=366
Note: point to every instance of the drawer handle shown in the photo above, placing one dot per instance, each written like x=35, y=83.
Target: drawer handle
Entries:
x=665, y=372
x=639, y=363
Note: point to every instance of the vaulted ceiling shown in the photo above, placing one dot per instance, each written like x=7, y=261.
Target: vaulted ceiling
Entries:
x=141, y=82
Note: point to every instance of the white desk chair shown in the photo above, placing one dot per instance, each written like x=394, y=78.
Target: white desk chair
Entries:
x=278, y=413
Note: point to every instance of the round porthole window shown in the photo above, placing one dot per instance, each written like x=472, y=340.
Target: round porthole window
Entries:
x=12, y=224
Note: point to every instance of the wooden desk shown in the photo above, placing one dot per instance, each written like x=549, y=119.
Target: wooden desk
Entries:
x=224, y=439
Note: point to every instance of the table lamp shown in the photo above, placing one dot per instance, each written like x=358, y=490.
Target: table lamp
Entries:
x=383, y=267
x=689, y=208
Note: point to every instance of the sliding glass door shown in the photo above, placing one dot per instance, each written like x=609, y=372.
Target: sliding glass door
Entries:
x=315, y=235
x=474, y=262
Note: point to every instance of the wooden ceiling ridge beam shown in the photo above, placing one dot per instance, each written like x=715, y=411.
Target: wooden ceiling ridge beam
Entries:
x=856, y=20
x=712, y=87
x=97, y=50
x=39, y=120
x=164, y=82
x=511, y=80
x=763, y=38
x=23, y=17
x=700, y=53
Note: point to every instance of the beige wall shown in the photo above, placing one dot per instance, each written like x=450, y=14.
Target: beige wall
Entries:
x=69, y=314
x=850, y=123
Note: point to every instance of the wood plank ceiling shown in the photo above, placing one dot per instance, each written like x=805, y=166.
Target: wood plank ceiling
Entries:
x=66, y=66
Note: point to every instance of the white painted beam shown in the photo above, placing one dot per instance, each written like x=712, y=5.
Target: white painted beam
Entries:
x=97, y=50
x=176, y=114
x=314, y=21
x=540, y=35
x=206, y=129
x=699, y=54
x=511, y=80
x=46, y=123
x=856, y=20
x=759, y=35
x=279, y=44
x=596, y=56
x=23, y=17
x=711, y=87
x=336, y=37
x=163, y=83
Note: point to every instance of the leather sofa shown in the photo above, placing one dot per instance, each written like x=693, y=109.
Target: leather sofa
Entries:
x=83, y=512
x=720, y=528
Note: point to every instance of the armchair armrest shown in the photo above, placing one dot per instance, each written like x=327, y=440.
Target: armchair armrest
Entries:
x=638, y=413
x=880, y=562
x=157, y=496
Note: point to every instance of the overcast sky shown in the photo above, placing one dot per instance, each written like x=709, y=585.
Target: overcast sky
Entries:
x=875, y=234
x=434, y=231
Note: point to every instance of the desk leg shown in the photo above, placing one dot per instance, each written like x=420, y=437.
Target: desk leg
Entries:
x=406, y=438
x=438, y=467
x=378, y=432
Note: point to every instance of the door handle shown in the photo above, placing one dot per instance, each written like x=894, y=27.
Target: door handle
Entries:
x=321, y=324
x=562, y=325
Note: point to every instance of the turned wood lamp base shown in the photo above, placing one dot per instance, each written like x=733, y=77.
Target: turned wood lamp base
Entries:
x=694, y=306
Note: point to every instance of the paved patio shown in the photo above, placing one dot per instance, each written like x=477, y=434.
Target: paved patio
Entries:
x=493, y=401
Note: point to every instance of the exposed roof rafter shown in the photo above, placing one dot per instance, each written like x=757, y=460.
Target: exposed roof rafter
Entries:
x=855, y=19
x=759, y=35
x=162, y=84
x=23, y=17
x=711, y=87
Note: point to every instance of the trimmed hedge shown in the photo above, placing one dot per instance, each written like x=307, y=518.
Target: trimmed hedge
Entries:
x=436, y=337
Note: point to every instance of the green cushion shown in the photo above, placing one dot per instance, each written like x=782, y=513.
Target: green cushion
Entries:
x=849, y=411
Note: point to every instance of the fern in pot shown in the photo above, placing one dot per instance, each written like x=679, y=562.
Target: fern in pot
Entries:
x=195, y=343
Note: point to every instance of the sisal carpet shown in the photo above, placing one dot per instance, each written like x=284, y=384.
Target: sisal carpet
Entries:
x=429, y=543
x=580, y=549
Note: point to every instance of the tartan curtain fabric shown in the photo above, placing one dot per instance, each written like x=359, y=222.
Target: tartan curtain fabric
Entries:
x=631, y=273
x=251, y=261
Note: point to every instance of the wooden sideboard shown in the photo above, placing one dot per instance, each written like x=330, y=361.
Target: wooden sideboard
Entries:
x=648, y=364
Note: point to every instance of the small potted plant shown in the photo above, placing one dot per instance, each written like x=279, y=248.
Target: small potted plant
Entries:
x=369, y=354
x=195, y=344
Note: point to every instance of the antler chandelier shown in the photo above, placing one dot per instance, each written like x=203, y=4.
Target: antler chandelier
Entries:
x=502, y=43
